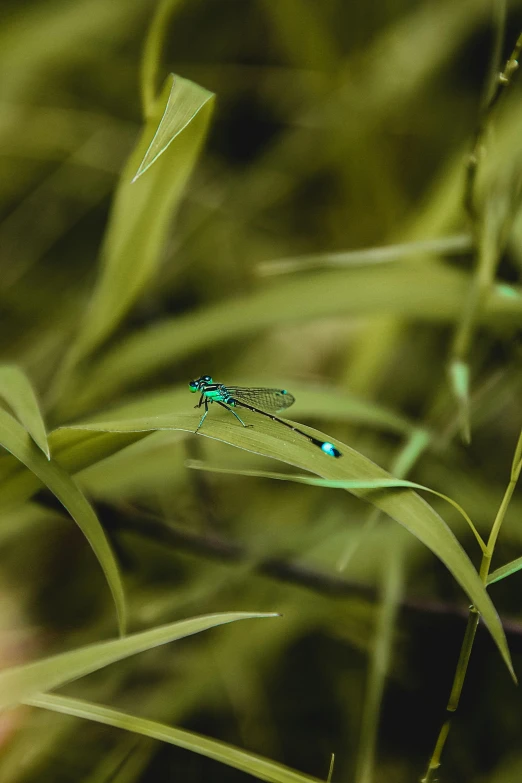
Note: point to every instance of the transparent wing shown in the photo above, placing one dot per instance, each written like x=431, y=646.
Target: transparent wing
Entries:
x=270, y=400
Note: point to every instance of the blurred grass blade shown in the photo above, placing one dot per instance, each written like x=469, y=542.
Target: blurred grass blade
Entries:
x=21, y=682
x=143, y=208
x=402, y=463
x=331, y=768
x=459, y=379
x=517, y=459
x=505, y=570
x=73, y=450
x=427, y=292
x=380, y=658
x=16, y=440
x=257, y=766
x=459, y=244
x=17, y=391
x=405, y=506
x=377, y=483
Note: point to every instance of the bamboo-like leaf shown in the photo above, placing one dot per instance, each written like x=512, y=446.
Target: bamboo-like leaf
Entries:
x=270, y=439
x=21, y=682
x=431, y=292
x=17, y=391
x=505, y=570
x=257, y=766
x=186, y=99
x=144, y=206
x=73, y=450
x=16, y=440
x=375, y=483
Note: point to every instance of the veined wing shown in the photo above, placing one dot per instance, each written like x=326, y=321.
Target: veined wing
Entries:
x=270, y=400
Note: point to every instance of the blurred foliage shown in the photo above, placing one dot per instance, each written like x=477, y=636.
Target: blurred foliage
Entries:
x=306, y=228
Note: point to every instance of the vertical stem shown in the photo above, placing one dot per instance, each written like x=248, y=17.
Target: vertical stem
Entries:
x=382, y=646
x=152, y=55
x=473, y=619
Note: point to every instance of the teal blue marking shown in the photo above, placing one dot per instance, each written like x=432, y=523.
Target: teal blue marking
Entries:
x=330, y=449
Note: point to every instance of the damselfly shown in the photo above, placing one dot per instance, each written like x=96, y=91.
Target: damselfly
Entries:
x=260, y=401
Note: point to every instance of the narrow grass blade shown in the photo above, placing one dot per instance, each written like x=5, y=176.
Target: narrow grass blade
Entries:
x=16, y=440
x=379, y=663
x=144, y=207
x=21, y=682
x=431, y=292
x=404, y=505
x=257, y=766
x=459, y=244
x=459, y=378
x=505, y=570
x=73, y=450
x=17, y=391
x=377, y=483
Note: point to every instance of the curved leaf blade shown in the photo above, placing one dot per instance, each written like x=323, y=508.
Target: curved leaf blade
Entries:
x=258, y=766
x=404, y=505
x=17, y=391
x=16, y=440
x=431, y=292
x=506, y=570
x=376, y=483
x=21, y=682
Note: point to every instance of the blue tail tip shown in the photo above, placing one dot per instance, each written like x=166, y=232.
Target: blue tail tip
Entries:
x=330, y=449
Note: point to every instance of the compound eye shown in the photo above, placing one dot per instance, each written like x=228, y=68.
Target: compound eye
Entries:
x=207, y=379
x=193, y=386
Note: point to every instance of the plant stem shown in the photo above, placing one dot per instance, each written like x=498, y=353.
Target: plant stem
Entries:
x=473, y=619
x=152, y=55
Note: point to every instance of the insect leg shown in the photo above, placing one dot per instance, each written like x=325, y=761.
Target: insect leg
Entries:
x=204, y=415
x=228, y=408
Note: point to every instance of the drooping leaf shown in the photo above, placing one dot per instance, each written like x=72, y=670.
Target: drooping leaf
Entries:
x=16, y=440
x=374, y=483
x=270, y=439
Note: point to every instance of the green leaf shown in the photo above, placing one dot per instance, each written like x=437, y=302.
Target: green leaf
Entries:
x=505, y=570
x=459, y=377
x=144, y=206
x=270, y=439
x=384, y=254
x=376, y=483
x=252, y=764
x=17, y=391
x=431, y=292
x=16, y=440
x=186, y=99
x=21, y=682
x=310, y=401
x=73, y=450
